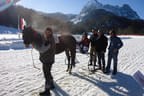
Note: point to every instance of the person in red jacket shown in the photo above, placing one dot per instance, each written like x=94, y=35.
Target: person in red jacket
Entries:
x=84, y=43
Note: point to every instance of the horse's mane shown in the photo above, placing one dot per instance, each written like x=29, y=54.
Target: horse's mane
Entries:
x=39, y=39
x=33, y=35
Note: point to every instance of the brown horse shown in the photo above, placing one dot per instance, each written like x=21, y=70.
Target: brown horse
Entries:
x=66, y=43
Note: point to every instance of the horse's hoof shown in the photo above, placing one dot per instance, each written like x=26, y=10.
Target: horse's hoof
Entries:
x=70, y=73
x=66, y=70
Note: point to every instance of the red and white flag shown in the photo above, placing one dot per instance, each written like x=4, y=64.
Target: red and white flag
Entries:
x=23, y=23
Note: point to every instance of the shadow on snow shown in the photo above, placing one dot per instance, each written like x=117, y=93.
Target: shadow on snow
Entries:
x=123, y=81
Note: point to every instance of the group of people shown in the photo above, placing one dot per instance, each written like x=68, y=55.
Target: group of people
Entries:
x=98, y=43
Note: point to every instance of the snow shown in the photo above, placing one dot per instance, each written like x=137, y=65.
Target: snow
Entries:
x=83, y=14
x=8, y=30
x=76, y=20
x=93, y=3
x=19, y=78
x=11, y=41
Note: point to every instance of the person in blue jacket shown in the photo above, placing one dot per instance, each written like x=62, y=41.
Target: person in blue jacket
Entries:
x=113, y=50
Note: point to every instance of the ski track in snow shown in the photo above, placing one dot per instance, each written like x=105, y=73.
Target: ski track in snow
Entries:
x=19, y=78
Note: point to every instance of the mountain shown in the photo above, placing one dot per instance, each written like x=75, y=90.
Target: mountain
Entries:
x=59, y=16
x=92, y=5
x=124, y=11
x=38, y=20
x=101, y=18
x=95, y=14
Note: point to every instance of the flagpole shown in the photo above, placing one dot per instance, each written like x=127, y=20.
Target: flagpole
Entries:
x=18, y=27
x=18, y=22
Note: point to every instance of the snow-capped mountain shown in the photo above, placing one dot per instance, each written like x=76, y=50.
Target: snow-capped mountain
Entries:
x=124, y=11
x=91, y=5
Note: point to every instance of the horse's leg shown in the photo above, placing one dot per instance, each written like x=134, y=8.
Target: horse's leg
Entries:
x=73, y=53
x=68, y=58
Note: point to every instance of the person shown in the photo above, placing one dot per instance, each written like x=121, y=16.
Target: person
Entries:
x=102, y=43
x=93, y=41
x=84, y=43
x=47, y=57
x=113, y=50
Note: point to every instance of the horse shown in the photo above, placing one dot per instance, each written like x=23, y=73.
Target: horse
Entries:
x=66, y=43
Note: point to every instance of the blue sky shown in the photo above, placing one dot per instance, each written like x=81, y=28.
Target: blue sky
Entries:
x=75, y=6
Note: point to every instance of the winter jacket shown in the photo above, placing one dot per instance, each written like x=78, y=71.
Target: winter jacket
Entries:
x=115, y=43
x=93, y=40
x=47, y=50
x=85, y=41
x=101, y=44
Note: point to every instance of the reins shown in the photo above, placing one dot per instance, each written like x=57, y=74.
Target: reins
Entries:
x=35, y=36
x=33, y=60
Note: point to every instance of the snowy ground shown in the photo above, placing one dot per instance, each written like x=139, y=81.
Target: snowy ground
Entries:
x=19, y=78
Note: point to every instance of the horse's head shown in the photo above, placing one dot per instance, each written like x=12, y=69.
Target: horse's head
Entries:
x=28, y=36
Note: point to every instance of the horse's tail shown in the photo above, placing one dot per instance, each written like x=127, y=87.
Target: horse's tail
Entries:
x=74, y=59
x=73, y=56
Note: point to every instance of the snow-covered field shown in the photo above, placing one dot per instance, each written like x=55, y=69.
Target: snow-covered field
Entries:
x=19, y=78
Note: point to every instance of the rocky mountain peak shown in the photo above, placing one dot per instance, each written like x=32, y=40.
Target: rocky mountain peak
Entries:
x=124, y=11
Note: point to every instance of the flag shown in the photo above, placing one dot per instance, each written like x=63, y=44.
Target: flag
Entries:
x=23, y=23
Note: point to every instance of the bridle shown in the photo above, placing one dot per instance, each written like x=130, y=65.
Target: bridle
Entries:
x=34, y=33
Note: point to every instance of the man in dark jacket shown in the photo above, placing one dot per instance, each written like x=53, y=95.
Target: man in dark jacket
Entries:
x=47, y=57
x=101, y=49
x=93, y=41
x=115, y=45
